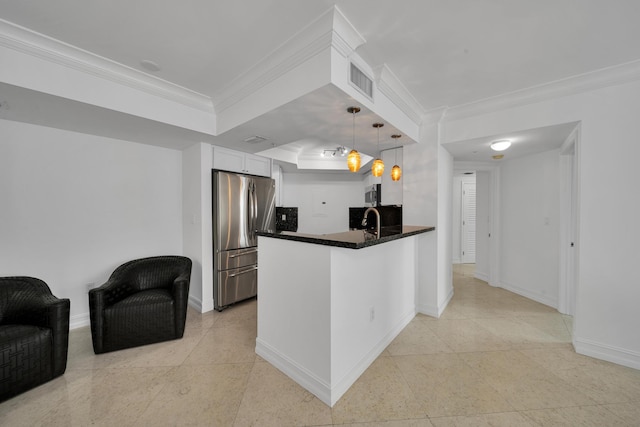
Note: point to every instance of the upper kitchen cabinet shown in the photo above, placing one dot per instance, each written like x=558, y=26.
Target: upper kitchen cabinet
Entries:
x=391, y=190
x=237, y=161
x=276, y=174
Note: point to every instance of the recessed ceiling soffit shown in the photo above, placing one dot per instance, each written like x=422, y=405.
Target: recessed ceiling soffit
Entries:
x=320, y=54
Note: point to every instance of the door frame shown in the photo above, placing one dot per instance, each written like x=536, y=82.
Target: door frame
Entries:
x=569, y=220
x=493, y=276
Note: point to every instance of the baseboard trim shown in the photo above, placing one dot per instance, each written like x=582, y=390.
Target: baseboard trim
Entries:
x=428, y=309
x=437, y=309
x=82, y=320
x=293, y=370
x=197, y=304
x=321, y=389
x=79, y=321
x=542, y=299
x=481, y=275
x=341, y=387
x=607, y=352
x=443, y=305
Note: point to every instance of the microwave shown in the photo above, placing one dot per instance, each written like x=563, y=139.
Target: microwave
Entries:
x=372, y=195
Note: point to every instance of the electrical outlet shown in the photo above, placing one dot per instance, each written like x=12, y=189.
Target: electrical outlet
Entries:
x=284, y=217
x=372, y=314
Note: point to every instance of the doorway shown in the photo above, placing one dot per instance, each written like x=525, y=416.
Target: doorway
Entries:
x=569, y=192
x=468, y=233
x=464, y=218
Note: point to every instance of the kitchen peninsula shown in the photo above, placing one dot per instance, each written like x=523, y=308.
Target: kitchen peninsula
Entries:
x=328, y=305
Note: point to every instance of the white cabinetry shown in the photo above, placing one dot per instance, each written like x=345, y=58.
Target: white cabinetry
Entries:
x=237, y=161
x=391, y=190
x=276, y=174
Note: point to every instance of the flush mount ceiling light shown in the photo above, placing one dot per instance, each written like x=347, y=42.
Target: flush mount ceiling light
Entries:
x=500, y=145
x=396, y=172
x=377, y=168
x=150, y=65
x=353, y=159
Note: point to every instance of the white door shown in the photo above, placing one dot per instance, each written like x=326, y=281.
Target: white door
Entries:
x=468, y=243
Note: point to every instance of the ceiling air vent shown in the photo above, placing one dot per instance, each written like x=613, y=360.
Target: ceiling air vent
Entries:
x=255, y=139
x=361, y=81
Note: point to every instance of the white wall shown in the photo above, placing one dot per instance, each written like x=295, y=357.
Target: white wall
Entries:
x=197, y=223
x=444, y=230
x=323, y=200
x=76, y=206
x=530, y=232
x=607, y=297
x=420, y=207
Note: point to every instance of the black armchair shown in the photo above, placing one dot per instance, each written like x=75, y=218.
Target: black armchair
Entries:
x=34, y=335
x=143, y=302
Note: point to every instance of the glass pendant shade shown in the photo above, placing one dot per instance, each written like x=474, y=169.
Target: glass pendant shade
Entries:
x=377, y=168
x=396, y=173
x=353, y=161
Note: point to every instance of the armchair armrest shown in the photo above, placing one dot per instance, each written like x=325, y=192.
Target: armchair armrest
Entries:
x=31, y=302
x=180, y=291
x=113, y=290
x=56, y=317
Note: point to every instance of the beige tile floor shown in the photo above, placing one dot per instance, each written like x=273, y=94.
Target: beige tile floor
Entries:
x=493, y=359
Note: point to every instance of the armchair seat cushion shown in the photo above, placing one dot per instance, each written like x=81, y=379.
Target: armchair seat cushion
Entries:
x=25, y=356
x=142, y=318
x=142, y=299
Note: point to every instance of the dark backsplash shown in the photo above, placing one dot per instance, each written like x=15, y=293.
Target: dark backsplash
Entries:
x=290, y=223
x=389, y=216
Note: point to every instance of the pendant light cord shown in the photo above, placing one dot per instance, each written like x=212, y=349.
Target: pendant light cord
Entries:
x=353, y=130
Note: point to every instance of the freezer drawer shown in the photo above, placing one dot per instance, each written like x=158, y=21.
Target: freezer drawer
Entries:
x=236, y=285
x=237, y=258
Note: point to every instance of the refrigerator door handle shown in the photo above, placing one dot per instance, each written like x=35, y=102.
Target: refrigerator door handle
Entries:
x=254, y=225
x=249, y=270
x=243, y=254
x=249, y=222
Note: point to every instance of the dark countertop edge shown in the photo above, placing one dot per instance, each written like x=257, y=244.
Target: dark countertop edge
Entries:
x=344, y=244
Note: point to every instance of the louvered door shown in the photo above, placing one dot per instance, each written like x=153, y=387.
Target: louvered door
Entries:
x=468, y=222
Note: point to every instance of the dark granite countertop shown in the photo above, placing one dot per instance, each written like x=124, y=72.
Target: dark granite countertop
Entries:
x=354, y=239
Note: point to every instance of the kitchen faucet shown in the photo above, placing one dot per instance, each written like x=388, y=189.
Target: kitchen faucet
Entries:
x=364, y=220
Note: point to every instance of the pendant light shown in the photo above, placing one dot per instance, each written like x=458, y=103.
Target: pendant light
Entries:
x=353, y=159
x=396, y=172
x=377, y=168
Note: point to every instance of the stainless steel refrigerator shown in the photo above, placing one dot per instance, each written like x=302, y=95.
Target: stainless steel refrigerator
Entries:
x=242, y=205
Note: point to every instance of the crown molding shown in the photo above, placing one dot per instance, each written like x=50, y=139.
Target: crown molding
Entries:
x=346, y=38
x=434, y=116
x=331, y=29
x=390, y=86
x=43, y=47
x=605, y=77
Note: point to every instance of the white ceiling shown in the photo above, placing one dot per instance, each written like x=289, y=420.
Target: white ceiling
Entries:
x=523, y=143
x=446, y=53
